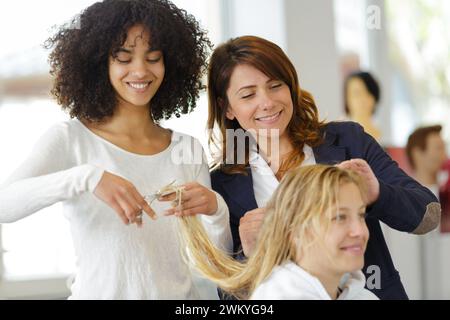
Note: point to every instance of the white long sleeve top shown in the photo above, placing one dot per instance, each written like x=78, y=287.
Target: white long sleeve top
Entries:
x=115, y=261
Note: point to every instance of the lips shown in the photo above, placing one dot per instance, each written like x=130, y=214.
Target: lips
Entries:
x=140, y=86
x=356, y=249
x=269, y=118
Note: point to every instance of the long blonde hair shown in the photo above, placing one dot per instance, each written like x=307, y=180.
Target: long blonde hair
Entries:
x=296, y=211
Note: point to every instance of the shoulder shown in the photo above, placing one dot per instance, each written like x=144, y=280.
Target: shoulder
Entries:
x=289, y=282
x=274, y=287
x=62, y=131
x=348, y=134
x=187, y=150
x=354, y=287
x=343, y=128
x=186, y=140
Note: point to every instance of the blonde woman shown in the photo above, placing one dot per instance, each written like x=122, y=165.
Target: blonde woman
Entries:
x=311, y=245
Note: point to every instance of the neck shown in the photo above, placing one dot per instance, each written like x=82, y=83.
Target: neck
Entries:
x=362, y=118
x=274, y=151
x=426, y=177
x=132, y=121
x=329, y=280
x=331, y=285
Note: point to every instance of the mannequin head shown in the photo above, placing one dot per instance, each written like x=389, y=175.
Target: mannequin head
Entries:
x=361, y=95
x=426, y=150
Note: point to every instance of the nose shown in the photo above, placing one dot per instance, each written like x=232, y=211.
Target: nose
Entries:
x=358, y=228
x=266, y=101
x=139, y=69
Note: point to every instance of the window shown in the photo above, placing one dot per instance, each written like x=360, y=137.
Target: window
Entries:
x=419, y=43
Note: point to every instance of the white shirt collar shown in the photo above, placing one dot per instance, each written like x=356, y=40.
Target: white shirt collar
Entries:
x=264, y=180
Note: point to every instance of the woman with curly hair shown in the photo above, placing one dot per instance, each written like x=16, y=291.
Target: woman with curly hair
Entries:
x=127, y=65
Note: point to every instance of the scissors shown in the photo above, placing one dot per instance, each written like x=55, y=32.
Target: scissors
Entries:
x=165, y=191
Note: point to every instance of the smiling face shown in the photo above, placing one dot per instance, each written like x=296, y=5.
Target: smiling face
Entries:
x=135, y=71
x=258, y=102
x=344, y=242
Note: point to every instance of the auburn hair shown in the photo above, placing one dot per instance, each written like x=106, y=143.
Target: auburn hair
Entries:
x=304, y=127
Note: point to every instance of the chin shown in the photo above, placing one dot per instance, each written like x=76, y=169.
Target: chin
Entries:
x=267, y=132
x=351, y=264
x=139, y=103
x=355, y=266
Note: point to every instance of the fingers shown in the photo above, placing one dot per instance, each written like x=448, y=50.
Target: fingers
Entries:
x=149, y=211
x=118, y=209
x=192, y=203
x=354, y=163
x=363, y=169
x=133, y=205
x=178, y=212
x=187, y=190
x=195, y=199
x=358, y=165
x=144, y=206
x=252, y=220
x=123, y=198
x=249, y=226
x=129, y=207
x=256, y=214
x=169, y=197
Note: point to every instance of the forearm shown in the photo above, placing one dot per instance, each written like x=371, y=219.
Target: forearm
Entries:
x=411, y=209
x=23, y=197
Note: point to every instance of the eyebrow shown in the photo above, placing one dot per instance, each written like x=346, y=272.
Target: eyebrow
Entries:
x=131, y=51
x=253, y=86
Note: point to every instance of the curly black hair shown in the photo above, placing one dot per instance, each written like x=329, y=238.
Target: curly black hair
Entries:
x=81, y=51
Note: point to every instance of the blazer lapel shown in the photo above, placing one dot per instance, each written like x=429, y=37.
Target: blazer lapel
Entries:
x=328, y=152
x=240, y=190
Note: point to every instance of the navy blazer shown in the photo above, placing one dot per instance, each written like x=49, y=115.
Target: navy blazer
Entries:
x=401, y=205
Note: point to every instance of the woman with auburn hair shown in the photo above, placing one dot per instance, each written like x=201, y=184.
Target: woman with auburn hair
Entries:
x=253, y=88
x=313, y=234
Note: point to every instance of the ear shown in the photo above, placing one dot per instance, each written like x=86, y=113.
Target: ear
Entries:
x=417, y=156
x=229, y=113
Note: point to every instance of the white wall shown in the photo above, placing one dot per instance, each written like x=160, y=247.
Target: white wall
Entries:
x=262, y=18
x=305, y=30
x=312, y=48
